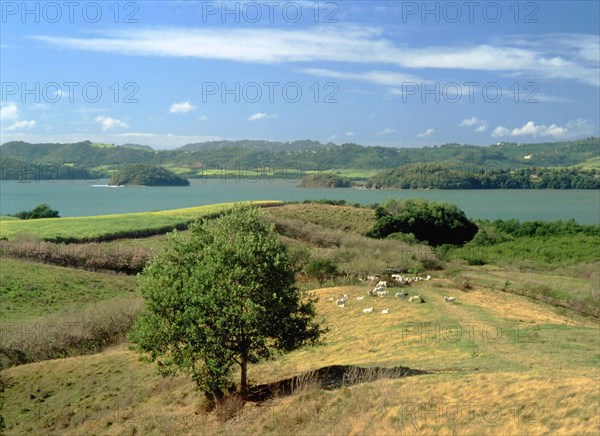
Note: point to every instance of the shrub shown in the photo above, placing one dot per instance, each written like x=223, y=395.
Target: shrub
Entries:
x=321, y=269
x=436, y=223
x=91, y=256
x=40, y=211
x=88, y=330
x=409, y=238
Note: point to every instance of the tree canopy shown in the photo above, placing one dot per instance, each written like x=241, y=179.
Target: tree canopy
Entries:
x=223, y=296
x=433, y=222
x=146, y=175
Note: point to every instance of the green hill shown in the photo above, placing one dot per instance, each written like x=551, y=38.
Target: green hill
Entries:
x=465, y=176
x=146, y=175
x=193, y=160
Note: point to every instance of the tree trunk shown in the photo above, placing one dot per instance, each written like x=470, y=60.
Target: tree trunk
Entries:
x=244, y=381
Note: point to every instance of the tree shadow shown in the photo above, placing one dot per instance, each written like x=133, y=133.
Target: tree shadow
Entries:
x=328, y=377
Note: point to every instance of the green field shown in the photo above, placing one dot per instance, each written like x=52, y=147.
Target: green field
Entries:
x=106, y=227
x=29, y=290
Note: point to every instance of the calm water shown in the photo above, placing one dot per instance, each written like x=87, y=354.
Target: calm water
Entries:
x=87, y=198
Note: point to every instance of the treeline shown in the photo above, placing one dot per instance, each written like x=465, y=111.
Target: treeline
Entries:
x=14, y=169
x=326, y=180
x=518, y=229
x=451, y=176
x=305, y=156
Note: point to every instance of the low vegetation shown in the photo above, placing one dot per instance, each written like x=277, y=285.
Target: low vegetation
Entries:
x=90, y=256
x=49, y=312
x=30, y=290
x=340, y=217
x=74, y=331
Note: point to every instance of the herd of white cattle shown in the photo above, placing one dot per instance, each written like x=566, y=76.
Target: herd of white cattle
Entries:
x=381, y=291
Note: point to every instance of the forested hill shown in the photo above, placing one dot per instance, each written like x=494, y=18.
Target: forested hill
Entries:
x=444, y=176
x=306, y=155
x=254, y=145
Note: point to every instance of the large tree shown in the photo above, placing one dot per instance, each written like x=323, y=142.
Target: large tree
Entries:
x=223, y=296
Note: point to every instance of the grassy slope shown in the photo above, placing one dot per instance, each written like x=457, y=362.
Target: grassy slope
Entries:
x=31, y=289
x=540, y=374
x=358, y=220
x=94, y=227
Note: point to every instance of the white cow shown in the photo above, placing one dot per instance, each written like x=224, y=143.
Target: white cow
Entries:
x=368, y=310
x=385, y=311
x=449, y=299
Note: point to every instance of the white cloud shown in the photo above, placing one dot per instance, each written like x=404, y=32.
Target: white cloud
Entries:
x=9, y=111
x=500, y=131
x=109, y=123
x=203, y=118
x=387, y=131
x=21, y=125
x=426, y=133
x=578, y=127
x=577, y=56
x=531, y=129
x=480, y=125
x=469, y=122
x=183, y=107
x=389, y=78
x=349, y=133
x=261, y=116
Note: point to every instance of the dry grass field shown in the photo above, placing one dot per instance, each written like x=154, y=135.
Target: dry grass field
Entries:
x=497, y=363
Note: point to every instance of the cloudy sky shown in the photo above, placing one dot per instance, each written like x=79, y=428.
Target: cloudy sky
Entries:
x=376, y=73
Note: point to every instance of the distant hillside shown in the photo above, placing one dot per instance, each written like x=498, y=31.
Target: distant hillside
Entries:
x=83, y=153
x=448, y=176
x=256, y=145
x=146, y=175
x=192, y=160
x=141, y=146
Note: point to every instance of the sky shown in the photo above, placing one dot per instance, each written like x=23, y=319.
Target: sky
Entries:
x=391, y=73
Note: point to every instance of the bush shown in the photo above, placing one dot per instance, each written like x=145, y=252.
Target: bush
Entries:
x=436, y=223
x=40, y=211
x=321, y=269
x=409, y=238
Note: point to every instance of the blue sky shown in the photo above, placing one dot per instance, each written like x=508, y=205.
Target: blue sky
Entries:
x=392, y=73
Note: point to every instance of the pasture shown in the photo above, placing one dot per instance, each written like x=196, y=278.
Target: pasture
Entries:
x=515, y=353
x=106, y=227
x=496, y=364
